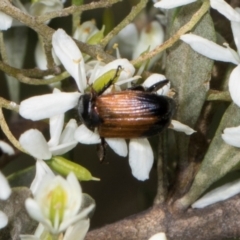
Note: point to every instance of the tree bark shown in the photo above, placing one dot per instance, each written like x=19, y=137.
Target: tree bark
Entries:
x=219, y=221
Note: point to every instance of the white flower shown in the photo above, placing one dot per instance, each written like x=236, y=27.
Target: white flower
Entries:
x=219, y=194
x=60, y=142
x=5, y=192
x=49, y=105
x=158, y=236
x=57, y=203
x=70, y=56
x=149, y=38
x=5, y=21
x=226, y=54
x=220, y=5
x=42, y=170
x=85, y=31
x=76, y=231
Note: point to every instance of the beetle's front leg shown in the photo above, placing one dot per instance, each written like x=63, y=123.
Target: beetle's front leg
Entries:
x=101, y=149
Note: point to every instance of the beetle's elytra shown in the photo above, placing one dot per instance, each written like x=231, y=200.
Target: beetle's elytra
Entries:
x=127, y=114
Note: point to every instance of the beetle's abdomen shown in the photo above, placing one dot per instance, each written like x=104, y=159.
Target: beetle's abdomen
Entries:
x=133, y=114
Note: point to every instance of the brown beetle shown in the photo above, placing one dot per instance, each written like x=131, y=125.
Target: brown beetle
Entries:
x=127, y=114
x=133, y=113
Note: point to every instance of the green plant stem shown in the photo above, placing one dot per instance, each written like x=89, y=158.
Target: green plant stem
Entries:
x=186, y=28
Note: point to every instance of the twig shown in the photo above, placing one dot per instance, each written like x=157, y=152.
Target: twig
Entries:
x=24, y=75
x=7, y=131
x=76, y=9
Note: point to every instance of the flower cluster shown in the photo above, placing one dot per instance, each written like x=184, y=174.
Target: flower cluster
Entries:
x=58, y=206
x=52, y=105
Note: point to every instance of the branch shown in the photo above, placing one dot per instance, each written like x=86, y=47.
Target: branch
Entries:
x=76, y=9
x=24, y=75
x=219, y=221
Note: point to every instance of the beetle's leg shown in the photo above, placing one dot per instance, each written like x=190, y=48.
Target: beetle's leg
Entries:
x=111, y=81
x=101, y=150
x=155, y=87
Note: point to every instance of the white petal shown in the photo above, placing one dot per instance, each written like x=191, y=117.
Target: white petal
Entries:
x=83, y=214
x=5, y=190
x=68, y=132
x=232, y=136
x=28, y=237
x=75, y=188
x=150, y=37
x=236, y=32
x=84, y=31
x=225, y=9
x=234, y=85
x=118, y=145
x=125, y=46
x=158, y=236
x=140, y=158
x=40, y=56
x=63, y=148
x=42, y=170
x=209, y=49
x=85, y=136
x=155, y=78
x=172, y=3
x=6, y=148
x=56, y=126
x=34, y=143
x=3, y=220
x=180, y=127
x=70, y=56
x=48, y=105
x=35, y=212
x=219, y=194
x=77, y=231
x=5, y=21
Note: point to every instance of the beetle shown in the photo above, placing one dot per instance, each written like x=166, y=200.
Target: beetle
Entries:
x=133, y=113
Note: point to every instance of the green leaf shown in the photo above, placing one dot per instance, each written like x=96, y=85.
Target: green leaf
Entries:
x=189, y=74
x=220, y=159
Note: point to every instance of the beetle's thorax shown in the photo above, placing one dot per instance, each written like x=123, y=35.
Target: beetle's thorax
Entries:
x=87, y=111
